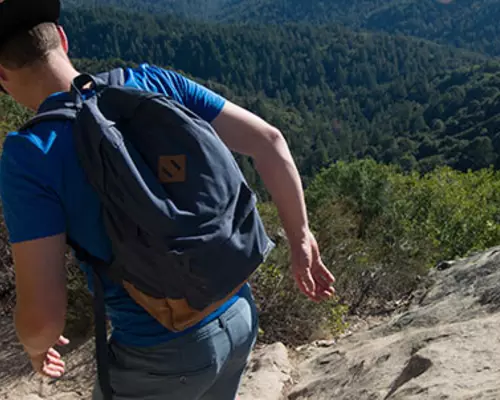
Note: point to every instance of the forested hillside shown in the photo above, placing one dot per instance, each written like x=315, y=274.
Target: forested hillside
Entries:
x=268, y=11
x=335, y=93
x=199, y=9
x=470, y=24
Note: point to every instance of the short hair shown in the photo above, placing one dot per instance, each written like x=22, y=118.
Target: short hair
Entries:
x=29, y=47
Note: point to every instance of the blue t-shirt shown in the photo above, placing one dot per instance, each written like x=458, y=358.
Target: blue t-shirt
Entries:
x=44, y=192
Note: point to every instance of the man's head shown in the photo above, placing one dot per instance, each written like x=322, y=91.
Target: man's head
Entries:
x=33, y=49
x=29, y=47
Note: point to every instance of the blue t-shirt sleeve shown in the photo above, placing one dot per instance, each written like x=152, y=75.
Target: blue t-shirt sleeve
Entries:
x=198, y=98
x=31, y=207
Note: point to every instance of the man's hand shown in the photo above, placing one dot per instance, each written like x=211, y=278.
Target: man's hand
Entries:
x=311, y=275
x=49, y=363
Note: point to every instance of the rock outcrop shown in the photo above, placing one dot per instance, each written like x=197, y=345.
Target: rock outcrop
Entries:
x=268, y=374
x=444, y=345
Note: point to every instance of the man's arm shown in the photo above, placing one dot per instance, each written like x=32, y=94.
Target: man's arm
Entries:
x=246, y=133
x=35, y=219
x=41, y=300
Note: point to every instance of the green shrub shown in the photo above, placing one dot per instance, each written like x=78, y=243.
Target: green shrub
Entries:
x=381, y=230
x=456, y=212
x=361, y=185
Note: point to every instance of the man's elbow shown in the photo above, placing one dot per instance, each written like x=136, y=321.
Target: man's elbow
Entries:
x=271, y=141
x=274, y=137
x=38, y=329
x=272, y=148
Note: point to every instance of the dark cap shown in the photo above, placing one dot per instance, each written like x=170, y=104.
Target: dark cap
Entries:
x=18, y=15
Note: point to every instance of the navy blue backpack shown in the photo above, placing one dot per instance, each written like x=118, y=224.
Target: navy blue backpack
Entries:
x=183, y=222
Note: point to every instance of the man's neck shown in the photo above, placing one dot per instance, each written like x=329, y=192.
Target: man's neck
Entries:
x=55, y=76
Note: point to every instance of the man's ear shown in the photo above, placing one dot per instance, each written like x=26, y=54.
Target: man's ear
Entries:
x=64, y=38
x=3, y=74
x=3, y=78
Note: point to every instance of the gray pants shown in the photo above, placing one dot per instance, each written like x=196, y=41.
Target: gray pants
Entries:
x=206, y=364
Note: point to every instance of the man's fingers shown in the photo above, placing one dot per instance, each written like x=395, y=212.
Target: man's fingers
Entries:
x=54, y=353
x=303, y=288
x=306, y=281
x=325, y=294
x=324, y=288
x=319, y=294
x=326, y=291
x=53, y=368
x=62, y=341
x=53, y=371
x=55, y=360
x=331, y=291
x=325, y=273
x=323, y=277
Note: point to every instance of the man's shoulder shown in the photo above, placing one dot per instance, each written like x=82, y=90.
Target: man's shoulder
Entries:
x=40, y=137
x=153, y=78
x=195, y=96
x=36, y=151
x=152, y=70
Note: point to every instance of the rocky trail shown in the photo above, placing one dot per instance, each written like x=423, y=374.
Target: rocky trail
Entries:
x=444, y=345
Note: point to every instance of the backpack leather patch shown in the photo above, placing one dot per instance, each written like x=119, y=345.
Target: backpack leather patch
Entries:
x=172, y=168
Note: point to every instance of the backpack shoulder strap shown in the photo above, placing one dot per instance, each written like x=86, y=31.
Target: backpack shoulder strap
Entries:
x=67, y=110
x=51, y=115
x=115, y=77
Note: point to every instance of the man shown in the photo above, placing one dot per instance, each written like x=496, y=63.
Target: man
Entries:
x=46, y=196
